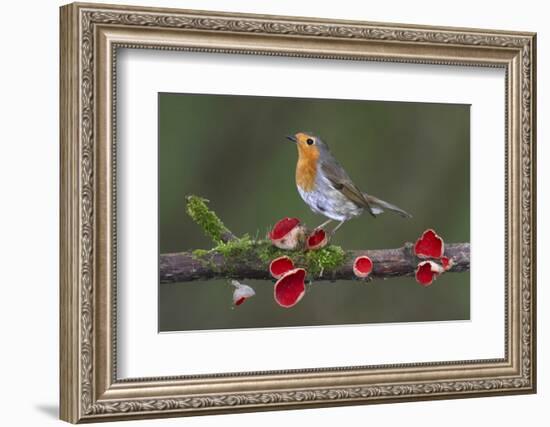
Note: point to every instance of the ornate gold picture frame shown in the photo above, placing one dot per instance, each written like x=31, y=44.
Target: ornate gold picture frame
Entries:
x=90, y=37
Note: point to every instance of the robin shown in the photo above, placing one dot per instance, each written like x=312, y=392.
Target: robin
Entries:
x=326, y=187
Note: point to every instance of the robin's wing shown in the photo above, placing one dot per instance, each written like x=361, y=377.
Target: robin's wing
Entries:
x=341, y=181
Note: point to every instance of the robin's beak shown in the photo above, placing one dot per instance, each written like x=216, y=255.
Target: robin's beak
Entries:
x=291, y=138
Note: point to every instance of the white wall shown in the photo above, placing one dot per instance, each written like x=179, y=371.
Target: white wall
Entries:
x=29, y=169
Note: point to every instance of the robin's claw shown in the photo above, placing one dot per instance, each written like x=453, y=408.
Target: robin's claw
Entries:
x=337, y=227
x=323, y=225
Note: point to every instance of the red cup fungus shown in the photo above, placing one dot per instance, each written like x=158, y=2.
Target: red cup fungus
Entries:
x=290, y=288
x=287, y=234
x=447, y=263
x=430, y=245
x=317, y=239
x=427, y=272
x=241, y=293
x=280, y=266
x=362, y=266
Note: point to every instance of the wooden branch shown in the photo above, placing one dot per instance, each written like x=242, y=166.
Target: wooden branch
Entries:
x=251, y=264
x=242, y=258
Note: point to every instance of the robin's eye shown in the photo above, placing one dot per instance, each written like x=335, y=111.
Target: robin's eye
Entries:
x=309, y=141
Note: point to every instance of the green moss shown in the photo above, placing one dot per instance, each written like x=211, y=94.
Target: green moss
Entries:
x=236, y=247
x=316, y=262
x=267, y=252
x=200, y=253
x=240, y=250
x=213, y=226
x=324, y=260
x=202, y=256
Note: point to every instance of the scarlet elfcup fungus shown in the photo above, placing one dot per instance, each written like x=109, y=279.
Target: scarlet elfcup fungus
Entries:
x=287, y=234
x=290, y=288
x=447, y=263
x=427, y=272
x=317, y=239
x=362, y=266
x=241, y=293
x=430, y=245
x=280, y=266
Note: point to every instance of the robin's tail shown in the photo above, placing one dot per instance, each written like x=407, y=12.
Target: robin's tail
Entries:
x=378, y=206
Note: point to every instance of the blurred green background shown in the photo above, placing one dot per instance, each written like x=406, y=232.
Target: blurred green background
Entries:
x=232, y=150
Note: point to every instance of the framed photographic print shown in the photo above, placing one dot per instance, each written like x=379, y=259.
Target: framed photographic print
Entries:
x=265, y=212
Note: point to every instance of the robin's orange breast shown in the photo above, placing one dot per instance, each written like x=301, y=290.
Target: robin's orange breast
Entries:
x=306, y=168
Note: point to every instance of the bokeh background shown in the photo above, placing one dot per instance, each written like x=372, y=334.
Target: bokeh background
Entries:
x=232, y=150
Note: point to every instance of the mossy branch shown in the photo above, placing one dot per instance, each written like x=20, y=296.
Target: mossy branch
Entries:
x=245, y=258
x=330, y=263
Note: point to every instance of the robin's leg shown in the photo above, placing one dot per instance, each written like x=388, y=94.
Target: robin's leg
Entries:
x=337, y=227
x=324, y=224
